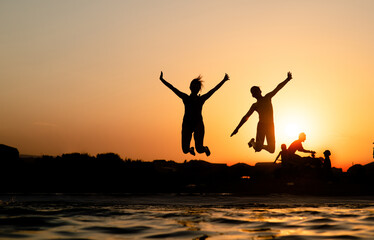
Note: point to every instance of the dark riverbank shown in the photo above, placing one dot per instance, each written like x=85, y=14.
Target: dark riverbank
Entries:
x=108, y=173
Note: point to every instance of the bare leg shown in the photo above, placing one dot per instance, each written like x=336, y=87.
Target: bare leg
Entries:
x=199, y=139
x=268, y=132
x=269, y=148
x=186, y=140
x=260, y=137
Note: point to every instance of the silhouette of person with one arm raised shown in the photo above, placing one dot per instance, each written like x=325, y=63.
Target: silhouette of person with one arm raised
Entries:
x=265, y=126
x=193, y=119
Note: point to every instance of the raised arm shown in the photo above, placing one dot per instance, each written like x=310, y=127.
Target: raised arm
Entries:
x=244, y=119
x=213, y=90
x=280, y=85
x=176, y=91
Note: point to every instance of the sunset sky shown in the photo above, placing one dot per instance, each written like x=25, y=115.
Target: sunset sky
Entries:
x=83, y=76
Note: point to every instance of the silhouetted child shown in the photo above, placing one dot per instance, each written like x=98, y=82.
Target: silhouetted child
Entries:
x=283, y=154
x=327, y=163
x=193, y=119
x=265, y=126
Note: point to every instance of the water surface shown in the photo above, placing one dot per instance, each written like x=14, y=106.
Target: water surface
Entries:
x=175, y=216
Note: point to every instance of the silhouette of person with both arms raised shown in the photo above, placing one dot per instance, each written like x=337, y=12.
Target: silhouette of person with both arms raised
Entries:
x=193, y=119
x=265, y=126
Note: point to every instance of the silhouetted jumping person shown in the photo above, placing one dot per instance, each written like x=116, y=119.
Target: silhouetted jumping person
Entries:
x=193, y=119
x=265, y=126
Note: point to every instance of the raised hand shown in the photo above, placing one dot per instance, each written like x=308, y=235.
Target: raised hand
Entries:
x=162, y=76
x=234, y=132
x=226, y=78
x=289, y=75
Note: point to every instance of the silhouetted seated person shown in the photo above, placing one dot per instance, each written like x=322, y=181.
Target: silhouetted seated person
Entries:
x=283, y=154
x=298, y=146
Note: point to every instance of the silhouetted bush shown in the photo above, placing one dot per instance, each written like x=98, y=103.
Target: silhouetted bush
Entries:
x=108, y=173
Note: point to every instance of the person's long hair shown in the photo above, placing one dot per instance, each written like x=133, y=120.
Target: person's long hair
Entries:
x=196, y=84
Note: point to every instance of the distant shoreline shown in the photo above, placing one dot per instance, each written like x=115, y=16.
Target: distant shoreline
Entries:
x=108, y=173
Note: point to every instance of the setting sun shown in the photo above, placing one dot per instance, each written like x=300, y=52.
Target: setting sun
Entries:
x=292, y=130
x=290, y=123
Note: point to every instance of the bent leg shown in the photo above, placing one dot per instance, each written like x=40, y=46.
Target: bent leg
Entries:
x=260, y=137
x=199, y=139
x=186, y=139
x=270, y=139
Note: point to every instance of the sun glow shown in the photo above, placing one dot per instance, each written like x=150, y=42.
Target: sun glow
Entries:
x=292, y=130
x=290, y=124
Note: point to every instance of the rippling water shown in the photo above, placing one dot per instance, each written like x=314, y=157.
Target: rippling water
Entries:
x=185, y=217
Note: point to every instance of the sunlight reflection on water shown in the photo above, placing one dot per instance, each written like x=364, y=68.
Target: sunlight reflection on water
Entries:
x=185, y=217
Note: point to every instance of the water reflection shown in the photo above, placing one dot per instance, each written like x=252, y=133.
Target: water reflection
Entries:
x=183, y=218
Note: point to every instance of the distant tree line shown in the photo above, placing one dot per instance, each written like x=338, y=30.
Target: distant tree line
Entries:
x=108, y=173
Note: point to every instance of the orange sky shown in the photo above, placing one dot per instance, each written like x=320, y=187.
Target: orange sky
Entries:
x=82, y=76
